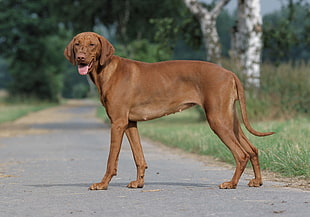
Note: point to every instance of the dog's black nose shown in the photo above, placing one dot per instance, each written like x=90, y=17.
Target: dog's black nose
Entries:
x=80, y=57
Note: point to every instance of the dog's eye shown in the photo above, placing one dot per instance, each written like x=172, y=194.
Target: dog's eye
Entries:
x=92, y=45
x=77, y=44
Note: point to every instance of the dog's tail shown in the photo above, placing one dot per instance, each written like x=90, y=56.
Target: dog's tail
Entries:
x=244, y=114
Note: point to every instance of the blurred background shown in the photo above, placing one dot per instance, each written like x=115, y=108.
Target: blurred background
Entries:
x=33, y=35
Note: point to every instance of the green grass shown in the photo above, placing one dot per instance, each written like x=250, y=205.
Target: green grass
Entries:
x=287, y=152
x=10, y=111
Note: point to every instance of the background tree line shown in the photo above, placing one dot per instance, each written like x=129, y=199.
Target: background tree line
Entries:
x=34, y=33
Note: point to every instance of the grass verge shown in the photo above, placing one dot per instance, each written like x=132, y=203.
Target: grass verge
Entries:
x=287, y=152
x=10, y=111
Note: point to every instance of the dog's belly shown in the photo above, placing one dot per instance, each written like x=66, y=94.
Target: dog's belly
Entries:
x=153, y=111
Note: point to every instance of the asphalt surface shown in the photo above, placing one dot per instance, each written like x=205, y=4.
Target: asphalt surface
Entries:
x=48, y=174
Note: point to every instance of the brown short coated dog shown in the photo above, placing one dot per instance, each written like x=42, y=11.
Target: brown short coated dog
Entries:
x=134, y=91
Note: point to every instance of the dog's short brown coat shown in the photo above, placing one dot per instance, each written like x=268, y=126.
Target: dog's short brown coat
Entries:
x=134, y=91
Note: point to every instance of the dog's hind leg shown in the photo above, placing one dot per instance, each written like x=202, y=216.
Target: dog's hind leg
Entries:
x=223, y=127
x=219, y=110
x=135, y=144
x=253, y=152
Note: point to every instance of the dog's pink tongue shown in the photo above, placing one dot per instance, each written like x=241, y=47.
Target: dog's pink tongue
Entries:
x=83, y=70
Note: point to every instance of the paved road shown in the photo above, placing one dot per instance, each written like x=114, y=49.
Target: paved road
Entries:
x=47, y=171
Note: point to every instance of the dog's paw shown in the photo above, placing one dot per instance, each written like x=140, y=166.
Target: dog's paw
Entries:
x=255, y=183
x=135, y=184
x=227, y=185
x=98, y=186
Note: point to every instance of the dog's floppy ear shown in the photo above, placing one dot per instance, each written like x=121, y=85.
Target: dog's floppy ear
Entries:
x=107, y=50
x=69, y=52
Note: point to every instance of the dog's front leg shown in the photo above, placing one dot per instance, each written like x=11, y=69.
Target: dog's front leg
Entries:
x=135, y=144
x=117, y=132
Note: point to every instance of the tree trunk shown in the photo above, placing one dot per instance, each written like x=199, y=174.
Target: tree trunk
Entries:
x=207, y=20
x=247, y=40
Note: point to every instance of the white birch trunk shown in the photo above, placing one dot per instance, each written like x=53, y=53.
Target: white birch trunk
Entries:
x=247, y=40
x=207, y=20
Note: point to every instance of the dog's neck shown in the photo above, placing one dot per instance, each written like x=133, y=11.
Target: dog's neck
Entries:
x=98, y=69
x=101, y=74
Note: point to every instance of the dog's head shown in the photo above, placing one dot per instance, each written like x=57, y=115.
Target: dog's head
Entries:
x=87, y=50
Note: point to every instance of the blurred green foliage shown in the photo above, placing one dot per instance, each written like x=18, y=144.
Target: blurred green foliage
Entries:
x=286, y=34
x=142, y=50
x=30, y=45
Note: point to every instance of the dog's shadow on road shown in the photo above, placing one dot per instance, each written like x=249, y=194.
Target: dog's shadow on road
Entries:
x=148, y=185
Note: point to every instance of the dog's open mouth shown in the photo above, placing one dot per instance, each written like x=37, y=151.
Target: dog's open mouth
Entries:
x=84, y=68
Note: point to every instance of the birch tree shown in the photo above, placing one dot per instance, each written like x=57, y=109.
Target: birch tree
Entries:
x=247, y=40
x=207, y=20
